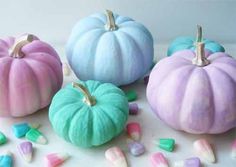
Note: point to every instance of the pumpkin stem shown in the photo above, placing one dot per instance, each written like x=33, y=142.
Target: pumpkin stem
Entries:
x=200, y=59
x=199, y=34
x=15, y=50
x=90, y=100
x=110, y=26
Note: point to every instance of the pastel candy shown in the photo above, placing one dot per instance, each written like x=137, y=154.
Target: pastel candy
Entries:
x=66, y=69
x=233, y=153
x=158, y=160
x=19, y=130
x=36, y=136
x=26, y=151
x=131, y=95
x=146, y=79
x=167, y=144
x=3, y=138
x=56, y=159
x=116, y=157
x=190, y=162
x=204, y=150
x=133, y=108
x=136, y=148
x=134, y=130
x=6, y=160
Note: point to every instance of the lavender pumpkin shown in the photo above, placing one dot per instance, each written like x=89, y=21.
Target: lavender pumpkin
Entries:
x=195, y=93
x=30, y=74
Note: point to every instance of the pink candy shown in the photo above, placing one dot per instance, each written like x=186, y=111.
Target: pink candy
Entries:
x=56, y=159
x=158, y=160
x=204, y=150
x=134, y=131
x=116, y=157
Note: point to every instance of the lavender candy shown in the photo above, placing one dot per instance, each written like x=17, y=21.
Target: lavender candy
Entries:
x=133, y=108
x=136, y=148
x=190, y=162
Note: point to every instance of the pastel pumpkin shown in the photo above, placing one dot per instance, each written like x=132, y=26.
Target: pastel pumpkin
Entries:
x=182, y=43
x=89, y=113
x=30, y=74
x=110, y=48
x=195, y=93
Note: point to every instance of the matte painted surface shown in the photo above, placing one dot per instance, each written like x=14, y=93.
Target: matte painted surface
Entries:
x=27, y=84
x=194, y=99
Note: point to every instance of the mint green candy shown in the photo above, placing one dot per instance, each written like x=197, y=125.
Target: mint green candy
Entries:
x=36, y=136
x=166, y=144
x=131, y=95
x=3, y=138
x=89, y=113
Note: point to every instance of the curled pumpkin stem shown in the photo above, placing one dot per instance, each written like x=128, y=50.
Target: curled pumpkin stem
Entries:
x=90, y=100
x=19, y=43
x=110, y=26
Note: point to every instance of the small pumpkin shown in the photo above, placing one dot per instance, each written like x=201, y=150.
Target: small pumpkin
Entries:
x=30, y=74
x=89, y=113
x=110, y=48
x=195, y=92
x=182, y=43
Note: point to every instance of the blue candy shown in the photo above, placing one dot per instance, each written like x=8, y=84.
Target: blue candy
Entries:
x=6, y=160
x=21, y=129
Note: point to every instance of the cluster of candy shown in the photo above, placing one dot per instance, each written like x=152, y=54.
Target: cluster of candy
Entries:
x=31, y=133
x=117, y=158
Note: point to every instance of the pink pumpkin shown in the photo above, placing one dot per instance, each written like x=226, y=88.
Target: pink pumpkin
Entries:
x=30, y=74
x=195, y=93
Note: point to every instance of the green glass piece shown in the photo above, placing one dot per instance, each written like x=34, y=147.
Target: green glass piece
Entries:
x=166, y=144
x=131, y=95
x=3, y=138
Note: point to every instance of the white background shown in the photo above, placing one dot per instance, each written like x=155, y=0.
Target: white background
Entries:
x=52, y=21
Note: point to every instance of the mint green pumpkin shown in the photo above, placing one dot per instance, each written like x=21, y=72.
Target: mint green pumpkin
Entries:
x=89, y=113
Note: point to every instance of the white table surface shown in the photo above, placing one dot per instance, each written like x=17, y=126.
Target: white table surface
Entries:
x=152, y=128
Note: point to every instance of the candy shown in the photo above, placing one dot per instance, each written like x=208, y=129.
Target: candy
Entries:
x=26, y=151
x=56, y=159
x=233, y=153
x=158, y=160
x=21, y=129
x=166, y=144
x=3, y=138
x=131, y=95
x=66, y=69
x=190, y=162
x=133, y=108
x=146, y=79
x=6, y=160
x=204, y=150
x=136, y=148
x=116, y=157
x=36, y=136
x=134, y=130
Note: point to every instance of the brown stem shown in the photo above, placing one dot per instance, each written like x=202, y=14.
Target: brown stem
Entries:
x=90, y=100
x=200, y=59
x=199, y=34
x=110, y=26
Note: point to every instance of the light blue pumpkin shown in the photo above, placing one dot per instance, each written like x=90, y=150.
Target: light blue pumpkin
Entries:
x=182, y=43
x=110, y=48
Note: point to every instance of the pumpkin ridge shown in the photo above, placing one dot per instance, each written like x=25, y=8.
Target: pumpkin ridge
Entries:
x=184, y=96
x=111, y=120
x=46, y=64
x=8, y=87
x=213, y=97
x=130, y=37
x=37, y=82
x=77, y=118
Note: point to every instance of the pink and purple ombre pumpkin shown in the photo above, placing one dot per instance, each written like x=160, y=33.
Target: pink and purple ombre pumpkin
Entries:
x=30, y=74
x=195, y=92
